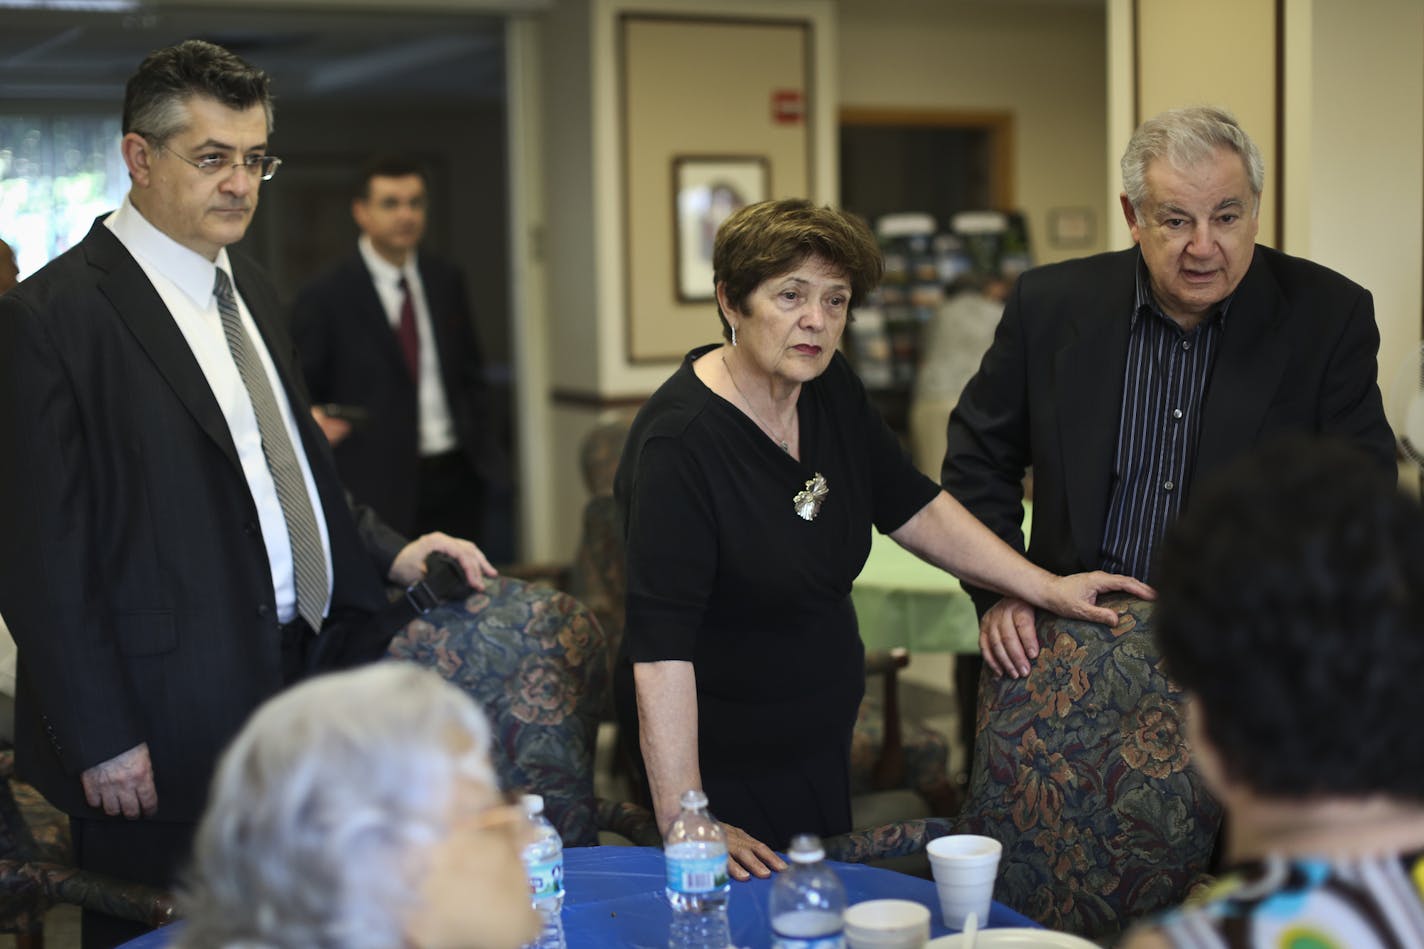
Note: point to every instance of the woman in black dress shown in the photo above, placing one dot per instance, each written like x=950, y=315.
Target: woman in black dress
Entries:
x=749, y=485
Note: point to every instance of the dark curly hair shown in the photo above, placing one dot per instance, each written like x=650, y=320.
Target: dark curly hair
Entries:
x=765, y=240
x=157, y=92
x=1291, y=602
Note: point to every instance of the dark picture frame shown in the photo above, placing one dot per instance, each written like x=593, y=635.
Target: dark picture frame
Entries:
x=706, y=189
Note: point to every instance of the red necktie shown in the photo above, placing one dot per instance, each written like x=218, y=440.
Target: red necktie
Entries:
x=407, y=334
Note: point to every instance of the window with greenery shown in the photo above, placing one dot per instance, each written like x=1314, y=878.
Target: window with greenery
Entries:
x=57, y=173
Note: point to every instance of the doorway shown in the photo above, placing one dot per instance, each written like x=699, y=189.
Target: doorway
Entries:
x=935, y=162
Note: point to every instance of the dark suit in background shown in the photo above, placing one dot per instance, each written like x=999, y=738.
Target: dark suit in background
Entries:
x=350, y=356
x=133, y=574
x=1297, y=354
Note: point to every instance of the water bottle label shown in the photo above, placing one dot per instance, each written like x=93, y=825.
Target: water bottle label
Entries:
x=697, y=874
x=836, y=941
x=546, y=880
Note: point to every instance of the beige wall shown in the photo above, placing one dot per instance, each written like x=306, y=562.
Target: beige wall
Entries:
x=730, y=69
x=1355, y=165
x=1185, y=58
x=1044, y=63
x=580, y=234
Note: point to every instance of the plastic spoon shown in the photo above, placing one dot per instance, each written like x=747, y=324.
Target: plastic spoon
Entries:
x=971, y=930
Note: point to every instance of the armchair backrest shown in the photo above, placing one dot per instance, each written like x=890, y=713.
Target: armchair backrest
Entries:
x=598, y=576
x=599, y=453
x=1081, y=770
x=537, y=662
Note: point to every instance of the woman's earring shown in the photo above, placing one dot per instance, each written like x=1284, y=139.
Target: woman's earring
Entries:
x=734, y=336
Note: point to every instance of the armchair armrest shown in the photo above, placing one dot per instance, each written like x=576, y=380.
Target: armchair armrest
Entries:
x=897, y=839
x=631, y=821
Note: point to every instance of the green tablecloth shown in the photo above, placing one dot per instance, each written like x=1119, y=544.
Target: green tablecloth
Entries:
x=902, y=601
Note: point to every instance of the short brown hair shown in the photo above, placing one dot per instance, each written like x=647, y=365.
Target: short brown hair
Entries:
x=765, y=240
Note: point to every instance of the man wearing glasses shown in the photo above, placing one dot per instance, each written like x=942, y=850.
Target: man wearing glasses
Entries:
x=177, y=544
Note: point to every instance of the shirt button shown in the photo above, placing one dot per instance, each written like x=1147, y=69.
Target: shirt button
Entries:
x=1176, y=413
x=1169, y=486
x=1186, y=344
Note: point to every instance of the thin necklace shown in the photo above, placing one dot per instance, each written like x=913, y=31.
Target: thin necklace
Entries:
x=783, y=442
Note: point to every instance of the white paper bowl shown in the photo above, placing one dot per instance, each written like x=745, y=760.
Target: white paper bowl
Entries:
x=887, y=924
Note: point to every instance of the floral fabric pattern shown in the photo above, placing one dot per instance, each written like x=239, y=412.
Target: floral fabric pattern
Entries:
x=37, y=866
x=1082, y=772
x=538, y=663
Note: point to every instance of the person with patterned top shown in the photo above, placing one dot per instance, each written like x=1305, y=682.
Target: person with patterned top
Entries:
x=1291, y=609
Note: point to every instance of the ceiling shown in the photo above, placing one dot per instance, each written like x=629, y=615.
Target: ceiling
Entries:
x=86, y=56
x=83, y=50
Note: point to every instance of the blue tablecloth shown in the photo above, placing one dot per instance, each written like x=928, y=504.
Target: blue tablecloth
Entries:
x=614, y=897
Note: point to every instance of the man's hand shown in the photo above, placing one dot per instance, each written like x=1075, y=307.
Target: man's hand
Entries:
x=409, y=565
x=335, y=429
x=745, y=852
x=1008, y=637
x=123, y=785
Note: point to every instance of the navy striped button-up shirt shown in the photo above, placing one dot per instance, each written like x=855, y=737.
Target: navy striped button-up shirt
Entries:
x=1164, y=386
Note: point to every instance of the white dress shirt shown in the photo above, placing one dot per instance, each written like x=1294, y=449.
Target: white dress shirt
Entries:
x=437, y=428
x=184, y=280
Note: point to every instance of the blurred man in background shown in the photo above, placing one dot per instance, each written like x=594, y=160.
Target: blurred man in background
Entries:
x=388, y=348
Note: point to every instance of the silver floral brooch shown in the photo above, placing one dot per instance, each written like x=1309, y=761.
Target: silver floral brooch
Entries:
x=808, y=502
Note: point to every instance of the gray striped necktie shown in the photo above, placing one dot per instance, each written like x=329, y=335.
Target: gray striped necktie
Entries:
x=308, y=558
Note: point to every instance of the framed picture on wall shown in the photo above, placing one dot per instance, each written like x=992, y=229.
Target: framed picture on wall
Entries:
x=706, y=189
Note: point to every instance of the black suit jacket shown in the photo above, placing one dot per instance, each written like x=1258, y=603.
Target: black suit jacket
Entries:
x=350, y=355
x=1297, y=354
x=133, y=574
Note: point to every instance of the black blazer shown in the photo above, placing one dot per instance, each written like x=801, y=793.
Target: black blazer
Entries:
x=350, y=355
x=1297, y=355
x=133, y=574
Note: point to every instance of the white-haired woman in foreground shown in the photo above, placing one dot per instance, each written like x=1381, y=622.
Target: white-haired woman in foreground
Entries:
x=360, y=809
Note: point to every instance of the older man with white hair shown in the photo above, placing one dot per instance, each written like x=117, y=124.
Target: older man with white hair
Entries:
x=1122, y=379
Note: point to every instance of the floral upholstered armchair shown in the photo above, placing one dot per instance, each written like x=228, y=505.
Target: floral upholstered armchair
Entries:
x=37, y=868
x=1082, y=772
x=537, y=662
x=889, y=752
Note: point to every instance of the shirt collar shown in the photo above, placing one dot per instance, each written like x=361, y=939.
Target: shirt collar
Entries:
x=190, y=271
x=1143, y=298
x=382, y=270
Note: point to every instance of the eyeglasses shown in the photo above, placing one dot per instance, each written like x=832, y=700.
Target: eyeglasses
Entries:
x=264, y=166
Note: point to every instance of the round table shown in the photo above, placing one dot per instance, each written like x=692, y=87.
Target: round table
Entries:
x=614, y=897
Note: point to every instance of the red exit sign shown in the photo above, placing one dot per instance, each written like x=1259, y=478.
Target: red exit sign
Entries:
x=788, y=106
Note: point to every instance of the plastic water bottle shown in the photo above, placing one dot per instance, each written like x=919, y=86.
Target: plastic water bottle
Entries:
x=807, y=900
x=697, y=883
x=544, y=865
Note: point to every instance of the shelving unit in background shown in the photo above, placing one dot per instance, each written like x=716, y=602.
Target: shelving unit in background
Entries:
x=922, y=259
